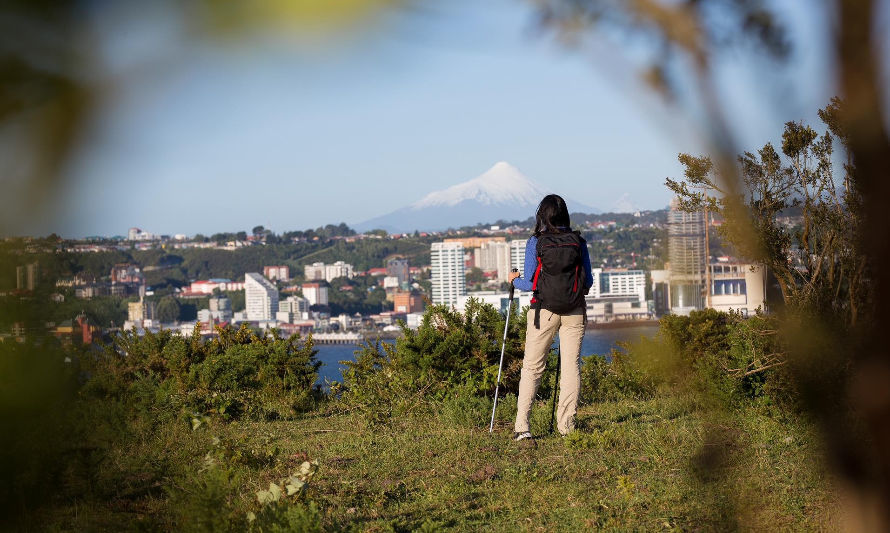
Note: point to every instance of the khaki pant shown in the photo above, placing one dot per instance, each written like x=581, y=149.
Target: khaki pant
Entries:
x=537, y=345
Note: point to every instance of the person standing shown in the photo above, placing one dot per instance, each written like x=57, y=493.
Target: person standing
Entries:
x=557, y=271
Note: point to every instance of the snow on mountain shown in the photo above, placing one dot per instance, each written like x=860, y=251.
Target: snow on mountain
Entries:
x=624, y=205
x=501, y=184
x=501, y=193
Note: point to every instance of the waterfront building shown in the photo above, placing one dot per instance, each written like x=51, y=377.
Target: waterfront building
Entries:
x=618, y=294
x=261, y=297
x=688, y=258
x=737, y=286
x=448, y=272
x=499, y=299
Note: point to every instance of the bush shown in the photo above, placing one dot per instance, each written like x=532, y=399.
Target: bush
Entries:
x=452, y=356
x=603, y=380
x=236, y=374
x=729, y=357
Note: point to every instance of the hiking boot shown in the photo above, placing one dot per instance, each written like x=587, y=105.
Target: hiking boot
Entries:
x=524, y=439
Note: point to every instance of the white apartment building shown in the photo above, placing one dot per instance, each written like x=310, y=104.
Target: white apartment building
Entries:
x=261, y=297
x=338, y=270
x=321, y=271
x=517, y=254
x=447, y=262
x=315, y=293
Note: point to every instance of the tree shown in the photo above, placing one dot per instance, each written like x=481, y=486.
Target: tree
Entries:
x=258, y=230
x=167, y=309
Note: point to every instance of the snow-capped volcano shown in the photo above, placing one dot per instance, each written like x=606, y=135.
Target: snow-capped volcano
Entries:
x=501, y=193
x=501, y=184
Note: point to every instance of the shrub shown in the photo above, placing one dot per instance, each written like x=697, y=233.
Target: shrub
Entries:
x=238, y=373
x=449, y=350
x=731, y=358
x=618, y=377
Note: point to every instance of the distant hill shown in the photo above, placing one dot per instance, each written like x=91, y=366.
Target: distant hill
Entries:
x=501, y=193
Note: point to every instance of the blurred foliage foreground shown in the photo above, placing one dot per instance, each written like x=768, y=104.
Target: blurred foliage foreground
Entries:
x=167, y=432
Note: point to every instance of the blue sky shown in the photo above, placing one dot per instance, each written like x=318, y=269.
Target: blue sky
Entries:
x=202, y=137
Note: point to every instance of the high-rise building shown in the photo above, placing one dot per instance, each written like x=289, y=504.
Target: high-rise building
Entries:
x=494, y=256
x=447, y=262
x=261, y=297
x=398, y=267
x=517, y=254
x=688, y=258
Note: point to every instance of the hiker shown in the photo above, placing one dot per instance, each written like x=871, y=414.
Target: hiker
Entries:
x=557, y=271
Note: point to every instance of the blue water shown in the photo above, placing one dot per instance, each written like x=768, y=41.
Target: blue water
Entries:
x=596, y=341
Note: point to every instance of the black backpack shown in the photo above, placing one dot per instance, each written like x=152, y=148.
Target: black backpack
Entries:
x=558, y=285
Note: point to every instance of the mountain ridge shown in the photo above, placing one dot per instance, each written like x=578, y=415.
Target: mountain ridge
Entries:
x=503, y=192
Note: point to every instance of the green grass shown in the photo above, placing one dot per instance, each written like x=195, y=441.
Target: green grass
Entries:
x=662, y=464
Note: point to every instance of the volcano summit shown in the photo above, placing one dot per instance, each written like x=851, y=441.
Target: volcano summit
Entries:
x=501, y=193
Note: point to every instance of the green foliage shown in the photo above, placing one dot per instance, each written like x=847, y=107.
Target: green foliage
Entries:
x=234, y=375
x=448, y=350
x=168, y=309
x=38, y=383
x=731, y=358
x=617, y=378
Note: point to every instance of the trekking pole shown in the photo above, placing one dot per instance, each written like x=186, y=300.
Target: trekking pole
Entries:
x=501, y=364
x=555, y=386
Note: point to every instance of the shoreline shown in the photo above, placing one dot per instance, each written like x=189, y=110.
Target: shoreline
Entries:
x=616, y=324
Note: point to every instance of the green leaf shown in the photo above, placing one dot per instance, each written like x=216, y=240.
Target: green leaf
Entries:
x=264, y=497
x=251, y=516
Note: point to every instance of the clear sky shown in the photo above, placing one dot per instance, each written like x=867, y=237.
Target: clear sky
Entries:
x=198, y=137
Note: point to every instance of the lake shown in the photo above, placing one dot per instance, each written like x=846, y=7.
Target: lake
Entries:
x=596, y=341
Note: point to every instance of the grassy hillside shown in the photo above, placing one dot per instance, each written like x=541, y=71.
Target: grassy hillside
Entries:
x=171, y=433
x=633, y=465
